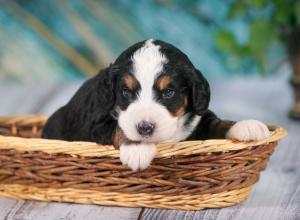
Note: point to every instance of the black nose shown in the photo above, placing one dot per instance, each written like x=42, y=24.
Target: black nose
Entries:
x=145, y=128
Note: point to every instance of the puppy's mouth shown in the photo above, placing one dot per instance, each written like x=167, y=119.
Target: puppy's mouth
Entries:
x=149, y=139
x=143, y=138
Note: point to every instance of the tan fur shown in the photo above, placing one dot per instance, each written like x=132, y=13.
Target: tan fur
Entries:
x=163, y=82
x=130, y=81
x=120, y=138
x=181, y=110
x=117, y=138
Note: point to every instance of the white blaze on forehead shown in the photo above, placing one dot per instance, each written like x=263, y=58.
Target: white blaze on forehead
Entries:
x=147, y=62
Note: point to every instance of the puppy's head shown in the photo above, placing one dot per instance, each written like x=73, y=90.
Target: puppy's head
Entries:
x=159, y=95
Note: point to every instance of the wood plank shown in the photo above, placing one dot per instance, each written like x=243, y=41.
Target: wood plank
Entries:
x=49, y=211
x=45, y=99
x=16, y=97
x=8, y=207
x=276, y=195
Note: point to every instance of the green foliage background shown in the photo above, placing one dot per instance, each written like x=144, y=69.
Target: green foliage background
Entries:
x=269, y=22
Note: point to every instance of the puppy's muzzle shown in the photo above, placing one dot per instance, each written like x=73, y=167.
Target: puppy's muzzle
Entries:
x=145, y=128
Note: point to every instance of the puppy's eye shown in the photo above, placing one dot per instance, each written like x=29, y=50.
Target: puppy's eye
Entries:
x=126, y=93
x=168, y=93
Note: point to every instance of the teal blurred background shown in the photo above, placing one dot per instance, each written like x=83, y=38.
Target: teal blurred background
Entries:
x=63, y=40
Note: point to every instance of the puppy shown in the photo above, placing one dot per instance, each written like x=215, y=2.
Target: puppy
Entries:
x=152, y=93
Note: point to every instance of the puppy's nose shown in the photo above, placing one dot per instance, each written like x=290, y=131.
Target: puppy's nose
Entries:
x=145, y=128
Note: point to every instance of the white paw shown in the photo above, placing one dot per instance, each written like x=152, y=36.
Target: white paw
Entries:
x=137, y=156
x=248, y=130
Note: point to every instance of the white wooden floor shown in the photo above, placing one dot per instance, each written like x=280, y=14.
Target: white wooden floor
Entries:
x=276, y=195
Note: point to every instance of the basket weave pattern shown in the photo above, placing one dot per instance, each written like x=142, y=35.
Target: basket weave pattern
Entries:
x=185, y=175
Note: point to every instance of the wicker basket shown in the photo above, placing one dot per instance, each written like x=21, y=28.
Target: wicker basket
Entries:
x=185, y=175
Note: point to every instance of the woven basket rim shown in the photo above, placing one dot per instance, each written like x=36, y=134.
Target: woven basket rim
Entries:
x=85, y=196
x=82, y=148
x=196, y=178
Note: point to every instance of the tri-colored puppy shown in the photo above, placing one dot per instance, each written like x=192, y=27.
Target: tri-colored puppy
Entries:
x=151, y=94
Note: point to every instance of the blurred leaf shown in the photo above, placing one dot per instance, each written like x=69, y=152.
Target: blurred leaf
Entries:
x=283, y=12
x=225, y=40
x=261, y=35
x=243, y=51
x=259, y=3
x=237, y=8
x=297, y=12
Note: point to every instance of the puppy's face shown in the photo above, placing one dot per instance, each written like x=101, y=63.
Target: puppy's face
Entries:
x=159, y=94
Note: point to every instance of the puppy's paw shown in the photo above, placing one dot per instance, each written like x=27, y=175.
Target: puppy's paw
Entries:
x=137, y=156
x=248, y=130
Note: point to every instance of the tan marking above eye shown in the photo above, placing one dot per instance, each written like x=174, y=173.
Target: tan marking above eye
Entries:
x=163, y=82
x=130, y=81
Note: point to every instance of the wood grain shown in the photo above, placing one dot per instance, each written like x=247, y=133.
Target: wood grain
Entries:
x=32, y=100
x=276, y=195
x=50, y=211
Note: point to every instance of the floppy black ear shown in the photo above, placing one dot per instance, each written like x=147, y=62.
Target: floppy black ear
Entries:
x=83, y=117
x=101, y=124
x=105, y=87
x=200, y=92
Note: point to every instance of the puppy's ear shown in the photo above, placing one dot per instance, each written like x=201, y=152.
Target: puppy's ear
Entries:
x=101, y=101
x=105, y=87
x=199, y=91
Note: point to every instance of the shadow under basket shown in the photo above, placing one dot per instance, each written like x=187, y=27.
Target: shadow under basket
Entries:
x=185, y=175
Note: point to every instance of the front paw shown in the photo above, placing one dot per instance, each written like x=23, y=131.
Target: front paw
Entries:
x=137, y=156
x=248, y=130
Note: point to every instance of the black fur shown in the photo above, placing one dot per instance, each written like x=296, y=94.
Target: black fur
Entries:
x=87, y=115
x=91, y=113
